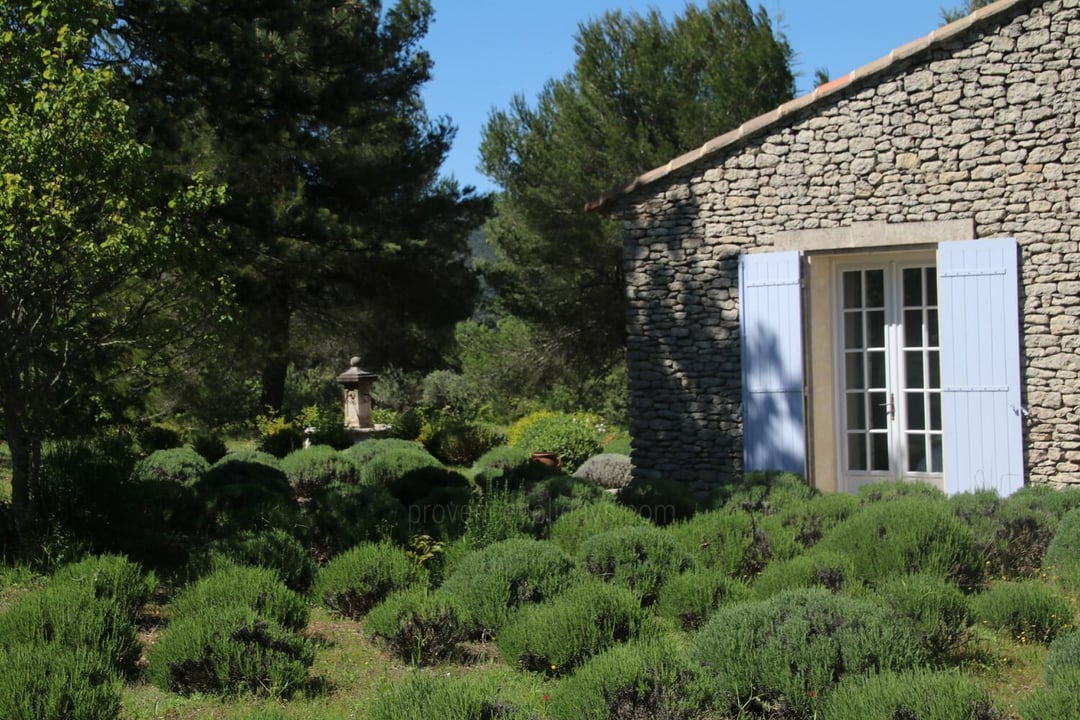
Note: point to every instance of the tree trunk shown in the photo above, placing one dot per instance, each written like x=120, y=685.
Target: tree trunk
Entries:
x=25, y=463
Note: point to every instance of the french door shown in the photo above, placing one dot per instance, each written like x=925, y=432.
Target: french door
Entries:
x=889, y=372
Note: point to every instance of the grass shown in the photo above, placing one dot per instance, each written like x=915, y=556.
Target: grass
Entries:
x=5, y=473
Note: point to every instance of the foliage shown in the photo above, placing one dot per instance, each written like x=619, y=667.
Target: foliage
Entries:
x=812, y=519
x=641, y=559
x=556, y=637
x=1011, y=534
x=736, y=542
x=245, y=491
x=763, y=492
x=390, y=465
x=830, y=570
x=99, y=261
x=949, y=15
x=689, y=598
x=457, y=441
x=420, y=626
x=1059, y=701
x=435, y=498
x=886, y=490
x=317, y=466
x=574, y=437
x=646, y=678
x=210, y=445
x=504, y=465
x=1063, y=553
x=470, y=697
x=921, y=693
x=230, y=650
x=556, y=495
x=660, y=500
x=322, y=425
x=45, y=681
x=1064, y=656
x=1028, y=610
x=363, y=452
x=574, y=527
x=254, y=588
x=785, y=650
x=178, y=465
x=337, y=517
x=495, y=514
x=278, y=436
x=357, y=580
x=495, y=580
x=110, y=578
x=908, y=535
x=941, y=613
x=273, y=549
x=610, y=471
x=158, y=436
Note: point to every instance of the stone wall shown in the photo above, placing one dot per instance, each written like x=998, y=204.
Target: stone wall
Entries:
x=983, y=128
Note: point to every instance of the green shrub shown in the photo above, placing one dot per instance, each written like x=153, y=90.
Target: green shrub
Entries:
x=273, y=549
x=230, y=649
x=1064, y=656
x=160, y=437
x=390, y=465
x=1047, y=499
x=245, y=491
x=362, y=452
x=923, y=694
x=210, y=446
x=659, y=500
x=318, y=466
x=470, y=697
x=45, y=681
x=574, y=527
x=1059, y=701
x=812, y=519
x=420, y=626
x=178, y=465
x=504, y=465
x=495, y=580
x=641, y=679
x=556, y=637
x=456, y=441
x=765, y=492
x=1062, y=560
x=68, y=616
x=278, y=437
x=258, y=589
x=887, y=490
x=940, y=612
x=689, y=599
x=908, y=535
x=618, y=445
x=496, y=514
x=784, y=651
x=640, y=559
x=322, y=425
x=829, y=570
x=357, y=580
x=555, y=495
x=110, y=578
x=1011, y=536
x=736, y=542
x=337, y=517
x=1028, y=610
x=610, y=471
x=573, y=437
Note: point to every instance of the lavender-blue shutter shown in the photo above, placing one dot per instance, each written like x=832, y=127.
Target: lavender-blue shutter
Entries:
x=980, y=365
x=770, y=314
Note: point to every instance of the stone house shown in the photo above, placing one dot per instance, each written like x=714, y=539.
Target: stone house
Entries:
x=879, y=280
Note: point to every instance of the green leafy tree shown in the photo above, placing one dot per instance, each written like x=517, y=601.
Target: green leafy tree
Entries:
x=642, y=90
x=91, y=246
x=338, y=220
x=969, y=6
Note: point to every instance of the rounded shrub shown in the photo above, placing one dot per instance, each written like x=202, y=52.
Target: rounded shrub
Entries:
x=460, y=442
x=940, y=612
x=485, y=696
x=765, y=492
x=357, y=580
x=309, y=469
x=572, y=436
x=659, y=500
x=736, y=542
x=557, y=636
x=641, y=559
x=229, y=650
x=1062, y=560
x=274, y=549
x=245, y=491
x=648, y=678
x=908, y=535
x=689, y=599
x=420, y=626
x=156, y=437
x=552, y=497
x=811, y=519
x=1059, y=701
x=178, y=465
x=257, y=589
x=504, y=465
x=1011, y=536
x=610, y=471
x=110, y=578
x=829, y=570
x=496, y=514
x=1028, y=610
x=362, y=452
x=887, y=490
x=788, y=649
x=1064, y=656
x=278, y=437
x=1044, y=498
x=210, y=446
x=493, y=581
x=337, y=517
x=574, y=527
x=45, y=681
x=919, y=693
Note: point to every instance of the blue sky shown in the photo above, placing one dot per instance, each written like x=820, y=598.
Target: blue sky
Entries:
x=485, y=51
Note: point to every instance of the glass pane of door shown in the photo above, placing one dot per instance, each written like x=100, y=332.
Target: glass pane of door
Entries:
x=921, y=374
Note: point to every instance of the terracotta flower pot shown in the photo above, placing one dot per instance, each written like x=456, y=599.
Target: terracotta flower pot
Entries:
x=548, y=459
